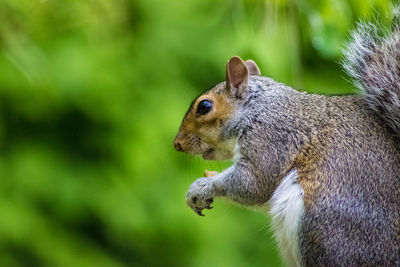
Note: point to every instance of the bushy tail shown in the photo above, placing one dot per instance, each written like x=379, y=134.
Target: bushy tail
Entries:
x=373, y=61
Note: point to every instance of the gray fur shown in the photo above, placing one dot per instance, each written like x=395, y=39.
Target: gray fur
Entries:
x=373, y=61
x=346, y=154
x=355, y=219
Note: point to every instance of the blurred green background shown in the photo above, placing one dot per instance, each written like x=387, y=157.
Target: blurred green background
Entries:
x=92, y=93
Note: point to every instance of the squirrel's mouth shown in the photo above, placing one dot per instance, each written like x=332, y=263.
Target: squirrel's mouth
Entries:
x=209, y=154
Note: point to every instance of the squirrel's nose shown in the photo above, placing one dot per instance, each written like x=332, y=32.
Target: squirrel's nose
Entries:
x=177, y=146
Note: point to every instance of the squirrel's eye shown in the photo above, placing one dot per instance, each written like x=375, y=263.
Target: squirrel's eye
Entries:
x=204, y=107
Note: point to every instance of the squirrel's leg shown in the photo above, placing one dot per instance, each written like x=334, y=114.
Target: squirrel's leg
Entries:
x=237, y=183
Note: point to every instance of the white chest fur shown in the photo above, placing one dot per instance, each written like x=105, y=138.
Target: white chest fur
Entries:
x=287, y=208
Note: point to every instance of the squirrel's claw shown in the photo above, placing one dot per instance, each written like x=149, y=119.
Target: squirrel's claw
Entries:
x=209, y=202
x=199, y=195
x=198, y=211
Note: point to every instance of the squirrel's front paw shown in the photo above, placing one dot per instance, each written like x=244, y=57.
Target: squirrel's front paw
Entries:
x=200, y=196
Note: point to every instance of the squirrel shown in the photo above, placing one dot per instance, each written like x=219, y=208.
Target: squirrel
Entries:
x=328, y=167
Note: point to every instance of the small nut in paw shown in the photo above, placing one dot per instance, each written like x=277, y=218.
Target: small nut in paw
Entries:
x=200, y=195
x=209, y=173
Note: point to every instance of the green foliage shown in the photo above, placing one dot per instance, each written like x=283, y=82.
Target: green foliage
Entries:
x=91, y=96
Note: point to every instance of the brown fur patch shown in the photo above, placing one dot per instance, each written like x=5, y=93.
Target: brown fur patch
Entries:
x=308, y=163
x=222, y=108
x=206, y=128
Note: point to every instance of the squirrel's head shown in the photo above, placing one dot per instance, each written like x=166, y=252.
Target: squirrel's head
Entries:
x=203, y=128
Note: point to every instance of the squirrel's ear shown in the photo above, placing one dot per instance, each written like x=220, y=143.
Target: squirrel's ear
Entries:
x=237, y=76
x=252, y=67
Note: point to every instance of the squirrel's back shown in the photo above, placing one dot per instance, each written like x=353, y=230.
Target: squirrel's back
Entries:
x=353, y=197
x=350, y=174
